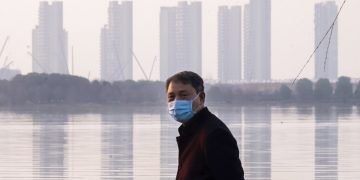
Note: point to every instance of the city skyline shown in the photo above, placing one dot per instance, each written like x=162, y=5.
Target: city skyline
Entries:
x=297, y=49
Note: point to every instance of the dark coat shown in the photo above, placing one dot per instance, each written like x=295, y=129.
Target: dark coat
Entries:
x=207, y=150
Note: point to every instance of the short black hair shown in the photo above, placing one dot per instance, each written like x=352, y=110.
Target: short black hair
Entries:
x=187, y=77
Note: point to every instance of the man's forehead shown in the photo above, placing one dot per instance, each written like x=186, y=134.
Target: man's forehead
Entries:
x=180, y=87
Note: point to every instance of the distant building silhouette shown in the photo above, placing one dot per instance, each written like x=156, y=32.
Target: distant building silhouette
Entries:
x=180, y=39
x=325, y=14
x=257, y=40
x=50, y=40
x=117, y=43
x=229, y=44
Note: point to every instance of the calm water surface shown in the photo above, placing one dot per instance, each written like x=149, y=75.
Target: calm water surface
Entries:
x=279, y=143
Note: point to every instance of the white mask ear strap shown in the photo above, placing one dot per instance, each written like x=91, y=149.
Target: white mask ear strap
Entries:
x=197, y=95
x=200, y=106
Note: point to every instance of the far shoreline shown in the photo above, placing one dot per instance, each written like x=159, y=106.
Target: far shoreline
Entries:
x=91, y=108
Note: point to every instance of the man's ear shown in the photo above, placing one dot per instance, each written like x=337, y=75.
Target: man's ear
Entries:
x=202, y=97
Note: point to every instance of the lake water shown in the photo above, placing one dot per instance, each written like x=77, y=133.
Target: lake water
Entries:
x=275, y=142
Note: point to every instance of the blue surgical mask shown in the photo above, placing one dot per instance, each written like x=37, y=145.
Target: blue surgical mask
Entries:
x=181, y=110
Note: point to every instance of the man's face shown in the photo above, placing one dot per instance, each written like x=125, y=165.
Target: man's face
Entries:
x=180, y=91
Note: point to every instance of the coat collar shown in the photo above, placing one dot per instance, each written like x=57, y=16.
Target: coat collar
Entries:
x=194, y=122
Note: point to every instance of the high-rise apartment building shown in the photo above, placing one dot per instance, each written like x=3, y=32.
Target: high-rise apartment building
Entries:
x=50, y=40
x=229, y=44
x=180, y=39
x=117, y=43
x=257, y=40
x=325, y=14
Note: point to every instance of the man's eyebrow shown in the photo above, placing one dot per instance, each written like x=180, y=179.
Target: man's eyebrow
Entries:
x=183, y=91
x=179, y=92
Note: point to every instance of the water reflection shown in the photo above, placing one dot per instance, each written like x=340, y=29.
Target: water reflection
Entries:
x=304, y=111
x=16, y=144
x=348, y=144
x=326, y=143
x=168, y=147
x=49, y=146
x=85, y=141
x=146, y=152
x=305, y=142
x=292, y=144
x=343, y=112
x=117, y=146
x=257, y=142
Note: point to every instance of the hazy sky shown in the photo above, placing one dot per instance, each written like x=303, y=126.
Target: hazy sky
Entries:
x=292, y=34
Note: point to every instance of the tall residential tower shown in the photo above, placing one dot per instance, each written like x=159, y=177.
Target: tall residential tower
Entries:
x=50, y=40
x=229, y=44
x=117, y=43
x=180, y=39
x=325, y=14
x=257, y=40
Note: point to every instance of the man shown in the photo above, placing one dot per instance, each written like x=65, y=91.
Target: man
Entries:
x=207, y=149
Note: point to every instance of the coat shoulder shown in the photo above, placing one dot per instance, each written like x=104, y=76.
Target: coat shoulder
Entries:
x=214, y=124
